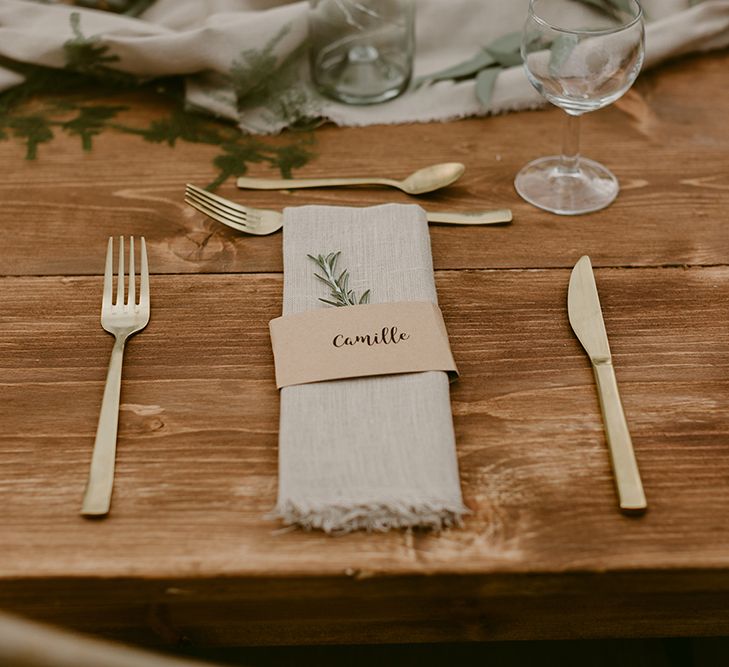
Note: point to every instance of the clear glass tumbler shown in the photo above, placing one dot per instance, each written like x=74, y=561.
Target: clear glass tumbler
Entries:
x=580, y=60
x=361, y=51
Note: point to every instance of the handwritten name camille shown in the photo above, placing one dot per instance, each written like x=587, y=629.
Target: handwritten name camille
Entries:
x=388, y=336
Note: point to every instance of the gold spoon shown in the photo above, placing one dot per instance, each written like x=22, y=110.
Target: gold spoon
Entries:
x=423, y=180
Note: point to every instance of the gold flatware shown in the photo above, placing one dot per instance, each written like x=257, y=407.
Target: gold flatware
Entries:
x=419, y=182
x=121, y=319
x=585, y=317
x=263, y=221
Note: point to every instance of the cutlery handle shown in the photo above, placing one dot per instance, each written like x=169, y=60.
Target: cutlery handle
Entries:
x=625, y=467
x=496, y=217
x=294, y=183
x=97, y=497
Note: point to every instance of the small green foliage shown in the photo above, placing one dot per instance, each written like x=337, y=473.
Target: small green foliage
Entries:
x=506, y=49
x=461, y=71
x=258, y=79
x=505, y=52
x=292, y=156
x=239, y=153
x=485, y=82
x=252, y=73
x=614, y=8
x=338, y=284
x=34, y=129
x=90, y=121
x=88, y=56
x=182, y=125
x=560, y=51
x=65, y=99
x=128, y=7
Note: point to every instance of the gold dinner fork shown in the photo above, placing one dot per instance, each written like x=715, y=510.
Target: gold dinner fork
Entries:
x=263, y=221
x=121, y=319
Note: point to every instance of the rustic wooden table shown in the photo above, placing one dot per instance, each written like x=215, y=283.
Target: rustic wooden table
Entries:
x=187, y=553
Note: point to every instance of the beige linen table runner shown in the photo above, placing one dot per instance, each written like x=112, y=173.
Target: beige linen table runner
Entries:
x=246, y=59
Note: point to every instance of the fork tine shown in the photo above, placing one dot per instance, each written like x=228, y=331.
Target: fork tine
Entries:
x=108, y=276
x=211, y=197
x=226, y=207
x=221, y=203
x=144, y=279
x=131, y=295
x=215, y=215
x=235, y=216
x=120, y=276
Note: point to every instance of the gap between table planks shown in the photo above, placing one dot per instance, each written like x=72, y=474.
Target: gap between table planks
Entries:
x=668, y=152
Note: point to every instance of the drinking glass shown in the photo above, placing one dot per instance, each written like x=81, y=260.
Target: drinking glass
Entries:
x=361, y=51
x=580, y=59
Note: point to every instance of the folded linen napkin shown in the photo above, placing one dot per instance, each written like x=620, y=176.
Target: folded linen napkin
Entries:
x=246, y=59
x=368, y=453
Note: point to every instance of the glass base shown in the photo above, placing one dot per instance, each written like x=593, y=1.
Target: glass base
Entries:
x=359, y=74
x=549, y=186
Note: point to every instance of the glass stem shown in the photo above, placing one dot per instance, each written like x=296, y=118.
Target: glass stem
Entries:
x=570, y=144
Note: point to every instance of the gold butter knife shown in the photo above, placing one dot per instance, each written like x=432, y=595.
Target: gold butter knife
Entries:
x=585, y=314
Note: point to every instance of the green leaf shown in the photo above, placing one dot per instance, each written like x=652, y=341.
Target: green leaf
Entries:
x=34, y=129
x=91, y=121
x=485, y=82
x=137, y=7
x=87, y=76
x=560, y=51
x=233, y=162
x=184, y=125
x=251, y=74
x=128, y=7
x=288, y=158
x=623, y=5
x=461, y=70
x=340, y=292
x=86, y=55
x=602, y=5
x=506, y=50
x=614, y=8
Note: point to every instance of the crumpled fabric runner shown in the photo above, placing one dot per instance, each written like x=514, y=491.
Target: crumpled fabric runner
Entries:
x=246, y=59
x=369, y=453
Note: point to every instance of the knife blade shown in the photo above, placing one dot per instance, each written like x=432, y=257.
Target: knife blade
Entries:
x=585, y=316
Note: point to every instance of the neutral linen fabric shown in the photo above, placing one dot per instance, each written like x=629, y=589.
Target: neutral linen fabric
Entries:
x=376, y=452
x=206, y=40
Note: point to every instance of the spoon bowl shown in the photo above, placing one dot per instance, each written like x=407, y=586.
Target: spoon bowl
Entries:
x=431, y=178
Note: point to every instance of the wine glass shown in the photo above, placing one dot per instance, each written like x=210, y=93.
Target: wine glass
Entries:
x=579, y=58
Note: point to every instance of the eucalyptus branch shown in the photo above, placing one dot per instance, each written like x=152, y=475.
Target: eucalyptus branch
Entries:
x=338, y=284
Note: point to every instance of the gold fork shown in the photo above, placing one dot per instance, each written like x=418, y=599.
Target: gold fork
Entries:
x=121, y=319
x=263, y=221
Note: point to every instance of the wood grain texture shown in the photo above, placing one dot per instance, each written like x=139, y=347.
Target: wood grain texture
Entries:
x=188, y=555
x=666, y=146
x=188, y=551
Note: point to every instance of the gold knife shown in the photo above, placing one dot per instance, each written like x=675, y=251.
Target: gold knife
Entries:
x=583, y=306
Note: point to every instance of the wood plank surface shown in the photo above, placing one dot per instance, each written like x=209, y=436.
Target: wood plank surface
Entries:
x=188, y=553
x=668, y=151
x=197, y=465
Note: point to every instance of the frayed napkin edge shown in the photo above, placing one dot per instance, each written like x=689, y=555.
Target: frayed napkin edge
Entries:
x=373, y=517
